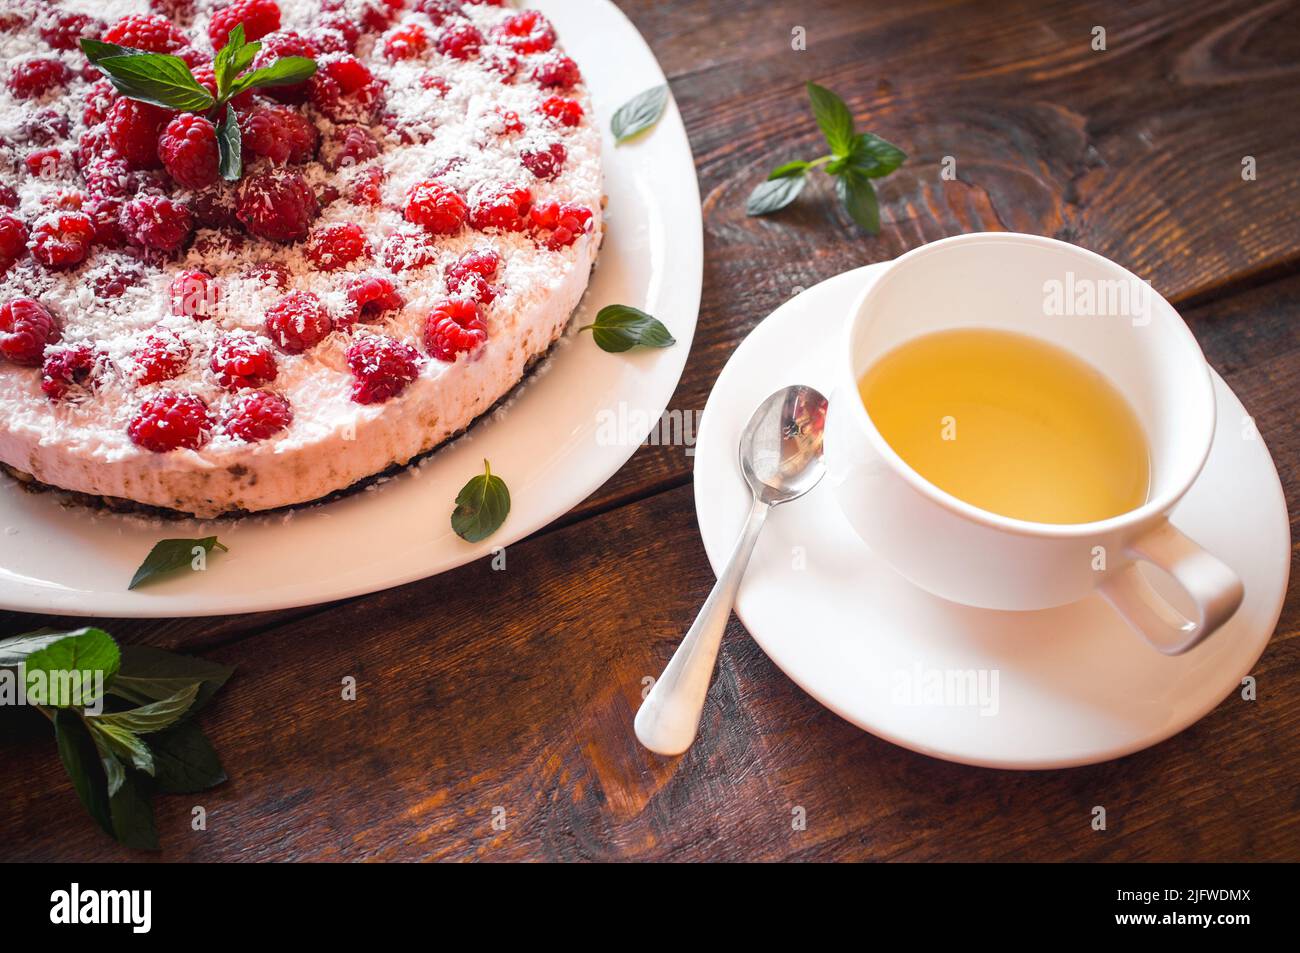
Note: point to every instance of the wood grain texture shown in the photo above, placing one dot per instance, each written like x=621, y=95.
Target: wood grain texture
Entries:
x=482, y=690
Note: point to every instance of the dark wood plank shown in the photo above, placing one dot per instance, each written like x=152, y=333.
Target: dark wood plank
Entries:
x=1134, y=152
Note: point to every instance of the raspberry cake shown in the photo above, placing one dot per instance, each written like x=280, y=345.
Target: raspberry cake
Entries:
x=412, y=227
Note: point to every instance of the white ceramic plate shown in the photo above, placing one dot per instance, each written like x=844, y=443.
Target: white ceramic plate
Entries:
x=546, y=443
x=1074, y=685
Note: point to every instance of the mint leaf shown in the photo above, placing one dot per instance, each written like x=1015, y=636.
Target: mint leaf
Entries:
x=148, y=675
x=231, y=60
x=230, y=146
x=184, y=760
x=15, y=649
x=154, y=716
x=63, y=673
x=775, y=194
x=639, y=113
x=286, y=71
x=874, y=157
x=123, y=742
x=482, y=506
x=855, y=191
x=168, y=555
x=81, y=760
x=97, y=50
x=157, y=78
x=789, y=170
x=619, y=327
x=834, y=119
x=132, y=814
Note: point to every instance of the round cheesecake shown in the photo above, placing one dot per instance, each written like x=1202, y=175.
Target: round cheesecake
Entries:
x=411, y=228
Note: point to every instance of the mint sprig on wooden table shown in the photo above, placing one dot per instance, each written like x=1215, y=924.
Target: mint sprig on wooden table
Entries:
x=854, y=160
x=137, y=739
x=165, y=80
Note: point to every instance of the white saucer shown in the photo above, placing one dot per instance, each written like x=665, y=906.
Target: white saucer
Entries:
x=1074, y=684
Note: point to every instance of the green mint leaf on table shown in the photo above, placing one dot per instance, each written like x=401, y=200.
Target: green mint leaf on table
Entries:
x=150, y=675
x=775, y=194
x=619, y=327
x=54, y=673
x=81, y=760
x=833, y=118
x=154, y=716
x=123, y=743
x=482, y=506
x=184, y=760
x=168, y=555
x=855, y=191
x=639, y=113
x=855, y=158
x=157, y=78
x=230, y=146
x=132, y=814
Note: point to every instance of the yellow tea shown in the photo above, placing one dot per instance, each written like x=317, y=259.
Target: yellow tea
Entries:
x=1010, y=424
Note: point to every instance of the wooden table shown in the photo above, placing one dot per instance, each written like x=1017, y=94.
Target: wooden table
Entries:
x=515, y=690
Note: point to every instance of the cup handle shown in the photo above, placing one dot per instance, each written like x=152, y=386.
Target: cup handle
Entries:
x=1212, y=585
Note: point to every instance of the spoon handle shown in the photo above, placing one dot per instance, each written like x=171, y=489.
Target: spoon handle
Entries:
x=669, y=717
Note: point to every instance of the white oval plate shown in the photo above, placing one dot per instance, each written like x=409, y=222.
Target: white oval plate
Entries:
x=546, y=441
x=1074, y=685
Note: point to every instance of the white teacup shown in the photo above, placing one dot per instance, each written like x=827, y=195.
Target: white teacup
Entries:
x=1035, y=286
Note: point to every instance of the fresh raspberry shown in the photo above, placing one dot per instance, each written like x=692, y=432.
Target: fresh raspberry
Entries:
x=383, y=368
x=336, y=33
x=62, y=239
x=460, y=41
x=114, y=280
x=276, y=46
x=297, y=322
x=545, y=163
x=454, y=326
x=409, y=130
x=344, y=89
x=241, y=359
x=46, y=126
x=156, y=222
x=207, y=78
x=180, y=10
x=11, y=21
x=502, y=62
x=13, y=240
x=133, y=131
x=195, y=293
x=97, y=100
x=406, y=43
x=217, y=244
x=93, y=145
x=106, y=213
x=336, y=246
x=25, y=328
x=526, y=32
x=405, y=251
x=506, y=122
x=558, y=226
x=146, y=31
x=70, y=373
x=259, y=17
x=170, y=421
x=38, y=76
x=277, y=204
x=557, y=72
x=376, y=15
x=65, y=29
x=438, y=10
x=214, y=207
x=367, y=186
x=8, y=197
x=188, y=149
x=370, y=297
x=161, y=356
x=280, y=133
x=437, y=207
x=269, y=274
x=45, y=163
x=256, y=415
x=436, y=82
x=506, y=209
x=564, y=112
x=470, y=276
